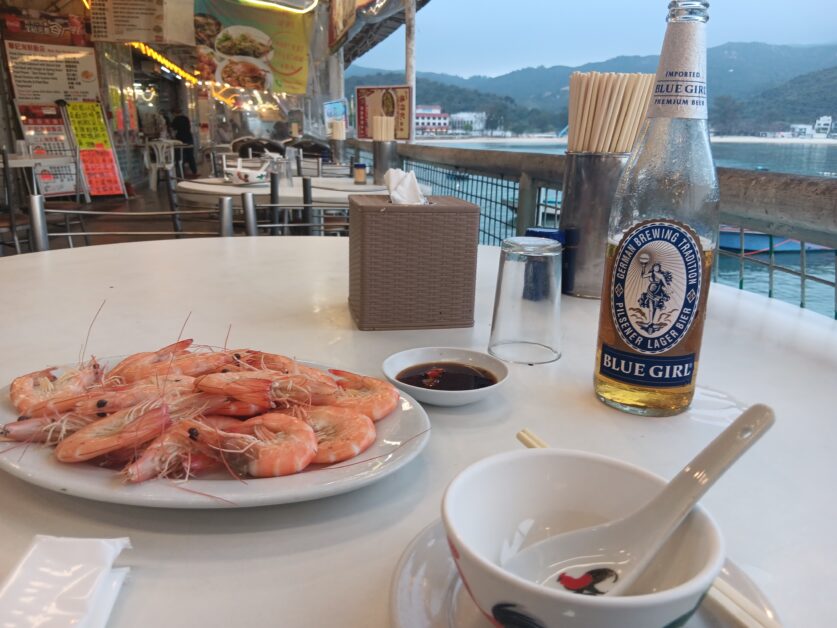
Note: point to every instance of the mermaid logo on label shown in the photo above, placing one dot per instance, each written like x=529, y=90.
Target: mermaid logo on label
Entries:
x=656, y=285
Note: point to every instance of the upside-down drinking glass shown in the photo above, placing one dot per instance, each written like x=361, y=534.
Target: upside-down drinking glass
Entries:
x=526, y=326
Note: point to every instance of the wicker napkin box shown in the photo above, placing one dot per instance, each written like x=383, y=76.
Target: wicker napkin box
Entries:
x=412, y=266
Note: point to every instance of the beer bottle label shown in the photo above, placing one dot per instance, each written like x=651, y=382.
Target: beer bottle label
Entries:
x=655, y=291
x=680, y=87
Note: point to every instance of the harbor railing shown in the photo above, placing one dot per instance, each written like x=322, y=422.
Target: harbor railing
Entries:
x=516, y=190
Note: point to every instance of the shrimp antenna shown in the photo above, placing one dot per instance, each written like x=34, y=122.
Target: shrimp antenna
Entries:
x=171, y=357
x=182, y=329
x=227, y=337
x=89, y=331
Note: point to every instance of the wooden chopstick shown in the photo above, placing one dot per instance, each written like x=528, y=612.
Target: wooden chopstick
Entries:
x=530, y=440
x=739, y=608
x=736, y=606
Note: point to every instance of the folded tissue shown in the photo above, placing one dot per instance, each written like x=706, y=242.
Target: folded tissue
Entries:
x=63, y=582
x=403, y=187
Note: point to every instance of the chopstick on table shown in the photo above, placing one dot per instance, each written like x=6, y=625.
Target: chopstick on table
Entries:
x=530, y=440
x=732, y=602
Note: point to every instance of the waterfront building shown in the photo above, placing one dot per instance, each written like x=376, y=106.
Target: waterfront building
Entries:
x=468, y=122
x=431, y=120
x=822, y=127
x=802, y=130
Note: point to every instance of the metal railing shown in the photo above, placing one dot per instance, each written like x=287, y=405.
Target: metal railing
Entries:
x=40, y=235
x=517, y=190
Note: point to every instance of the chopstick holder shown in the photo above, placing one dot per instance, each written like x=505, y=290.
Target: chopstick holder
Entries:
x=63, y=582
x=735, y=606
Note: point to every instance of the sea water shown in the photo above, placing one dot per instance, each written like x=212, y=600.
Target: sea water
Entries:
x=791, y=158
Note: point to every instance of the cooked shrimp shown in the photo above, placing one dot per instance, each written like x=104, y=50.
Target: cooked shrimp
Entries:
x=342, y=433
x=40, y=393
x=131, y=427
x=280, y=363
x=277, y=444
x=235, y=408
x=44, y=429
x=140, y=365
x=174, y=454
x=370, y=396
x=112, y=398
x=269, y=388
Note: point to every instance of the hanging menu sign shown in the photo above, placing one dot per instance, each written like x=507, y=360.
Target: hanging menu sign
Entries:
x=45, y=134
x=159, y=22
x=98, y=162
x=41, y=72
x=50, y=56
x=393, y=101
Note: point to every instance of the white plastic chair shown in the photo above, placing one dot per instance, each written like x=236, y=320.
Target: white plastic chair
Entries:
x=158, y=155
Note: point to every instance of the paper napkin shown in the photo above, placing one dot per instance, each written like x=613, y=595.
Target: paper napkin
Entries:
x=63, y=582
x=403, y=187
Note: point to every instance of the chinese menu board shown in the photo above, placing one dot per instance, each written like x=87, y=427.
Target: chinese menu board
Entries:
x=45, y=134
x=49, y=56
x=393, y=101
x=159, y=22
x=98, y=162
x=250, y=48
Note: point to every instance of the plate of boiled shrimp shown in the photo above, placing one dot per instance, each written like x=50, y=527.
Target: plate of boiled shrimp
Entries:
x=196, y=427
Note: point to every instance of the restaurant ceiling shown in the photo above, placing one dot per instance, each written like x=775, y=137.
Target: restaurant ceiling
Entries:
x=371, y=35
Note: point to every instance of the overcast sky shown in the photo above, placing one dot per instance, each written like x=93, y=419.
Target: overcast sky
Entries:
x=468, y=37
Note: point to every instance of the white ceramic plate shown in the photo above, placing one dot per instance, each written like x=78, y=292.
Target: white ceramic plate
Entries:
x=263, y=69
x=254, y=33
x=401, y=436
x=427, y=592
x=397, y=362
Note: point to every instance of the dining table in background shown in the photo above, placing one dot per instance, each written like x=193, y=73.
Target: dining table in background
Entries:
x=326, y=191
x=331, y=562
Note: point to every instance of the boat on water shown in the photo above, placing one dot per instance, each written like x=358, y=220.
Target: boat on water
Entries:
x=756, y=242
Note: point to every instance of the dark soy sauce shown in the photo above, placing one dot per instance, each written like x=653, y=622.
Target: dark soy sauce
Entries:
x=447, y=376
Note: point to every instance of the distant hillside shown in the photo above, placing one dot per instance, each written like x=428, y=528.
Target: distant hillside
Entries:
x=737, y=70
x=503, y=111
x=801, y=100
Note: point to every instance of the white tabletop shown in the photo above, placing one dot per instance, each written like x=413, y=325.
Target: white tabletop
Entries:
x=325, y=191
x=330, y=562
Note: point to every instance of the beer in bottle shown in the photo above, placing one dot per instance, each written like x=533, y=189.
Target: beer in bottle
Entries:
x=662, y=237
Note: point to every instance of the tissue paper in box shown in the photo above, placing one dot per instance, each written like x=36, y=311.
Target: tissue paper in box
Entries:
x=412, y=266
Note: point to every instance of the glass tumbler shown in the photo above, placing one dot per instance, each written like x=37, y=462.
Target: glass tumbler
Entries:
x=526, y=326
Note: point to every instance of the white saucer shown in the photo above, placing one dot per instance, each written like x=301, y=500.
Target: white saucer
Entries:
x=427, y=592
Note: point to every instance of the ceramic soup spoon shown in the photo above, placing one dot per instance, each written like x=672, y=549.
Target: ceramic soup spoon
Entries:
x=608, y=558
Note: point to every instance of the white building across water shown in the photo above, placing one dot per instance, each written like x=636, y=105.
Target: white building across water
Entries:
x=468, y=122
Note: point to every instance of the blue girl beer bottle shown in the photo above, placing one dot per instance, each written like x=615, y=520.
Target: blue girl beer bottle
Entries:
x=662, y=237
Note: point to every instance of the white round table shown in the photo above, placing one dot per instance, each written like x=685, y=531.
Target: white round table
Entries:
x=326, y=191
x=330, y=562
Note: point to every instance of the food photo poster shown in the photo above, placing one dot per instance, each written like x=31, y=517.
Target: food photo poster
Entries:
x=251, y=48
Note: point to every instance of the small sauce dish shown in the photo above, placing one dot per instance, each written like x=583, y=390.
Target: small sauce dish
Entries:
x=445, y=367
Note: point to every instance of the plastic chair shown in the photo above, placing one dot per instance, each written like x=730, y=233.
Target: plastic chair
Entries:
x=158, y=155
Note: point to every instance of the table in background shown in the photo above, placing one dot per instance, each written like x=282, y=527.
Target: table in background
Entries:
x=326, y=191
x=330, y=562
